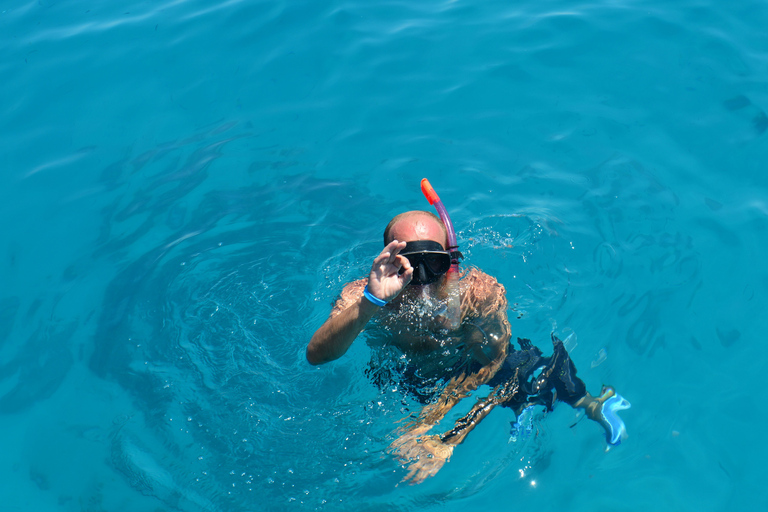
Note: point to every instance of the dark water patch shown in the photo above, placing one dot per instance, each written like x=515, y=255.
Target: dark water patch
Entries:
x=695, y=343
x=9, y=306
x=177, y=214
x=760, y=122
x=648, y=253
x=193, y=169
x=272, y=165
x=169, y=173
x=64, y=500
x=116, y=245
x=712, y=204
x=38, y=369
x=140, y=202
x=643, y=336
x=148, y=467
x=607, y=261
x=39, y=478
x=112, y=175
x=726, y=236
x=758, y=119
x=737, y=102
x=694, y=293
x=152, y=156
x=728, y=337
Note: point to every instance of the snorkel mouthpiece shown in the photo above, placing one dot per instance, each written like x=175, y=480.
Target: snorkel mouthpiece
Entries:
x=422, y=274
x=453, y=312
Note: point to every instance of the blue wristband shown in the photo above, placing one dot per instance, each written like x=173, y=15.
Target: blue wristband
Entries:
x=375, y=300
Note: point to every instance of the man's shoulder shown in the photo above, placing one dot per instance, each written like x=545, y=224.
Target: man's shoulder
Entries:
x=477, y=278
x=481, y=287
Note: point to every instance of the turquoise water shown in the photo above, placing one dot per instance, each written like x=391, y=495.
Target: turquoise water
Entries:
x=186, y=187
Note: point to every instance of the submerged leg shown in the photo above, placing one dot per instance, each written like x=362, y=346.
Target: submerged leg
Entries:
x=571, y=390
x=517, y=387
x=561, y=374
x=466, y=424
x=505, y=393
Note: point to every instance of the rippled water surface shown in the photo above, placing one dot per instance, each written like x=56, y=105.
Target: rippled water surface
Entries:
x=185, y=187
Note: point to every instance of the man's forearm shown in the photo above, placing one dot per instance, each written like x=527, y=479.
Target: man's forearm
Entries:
x=335, y=336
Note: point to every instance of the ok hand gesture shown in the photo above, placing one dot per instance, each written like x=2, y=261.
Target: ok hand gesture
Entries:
x=385, y=280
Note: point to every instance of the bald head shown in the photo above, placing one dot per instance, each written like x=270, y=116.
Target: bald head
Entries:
x=416, y=225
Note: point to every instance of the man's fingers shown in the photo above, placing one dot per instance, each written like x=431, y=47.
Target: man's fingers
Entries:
x=382, y=259
x=427, y=473
x=411, y=476
x=420, y=476
x=420, y=472
x=407, y=453
x=403, y=262
x=405, y=270
x=393, y=248
x=390, y=254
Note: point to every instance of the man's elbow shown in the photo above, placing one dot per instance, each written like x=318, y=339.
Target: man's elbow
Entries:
x=313, y=357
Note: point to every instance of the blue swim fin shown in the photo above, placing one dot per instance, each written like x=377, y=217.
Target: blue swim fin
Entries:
x=616, y=431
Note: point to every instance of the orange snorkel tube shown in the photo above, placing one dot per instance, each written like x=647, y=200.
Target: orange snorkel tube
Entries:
x=452, y=276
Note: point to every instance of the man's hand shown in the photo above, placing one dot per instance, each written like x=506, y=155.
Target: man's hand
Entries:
x=385, y=280
x=422, y=456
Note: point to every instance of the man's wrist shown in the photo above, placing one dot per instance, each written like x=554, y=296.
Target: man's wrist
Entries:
x=372, y=298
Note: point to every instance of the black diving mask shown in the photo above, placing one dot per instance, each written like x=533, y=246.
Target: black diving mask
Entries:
x=428, y=259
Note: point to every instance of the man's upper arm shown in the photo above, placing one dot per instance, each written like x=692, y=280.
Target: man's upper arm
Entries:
x=490, y=295
x=487, y=302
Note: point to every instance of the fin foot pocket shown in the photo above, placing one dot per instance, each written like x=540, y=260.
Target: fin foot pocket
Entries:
x=614, y=425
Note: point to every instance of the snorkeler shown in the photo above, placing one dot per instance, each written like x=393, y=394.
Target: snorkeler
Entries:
x=454, y=331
